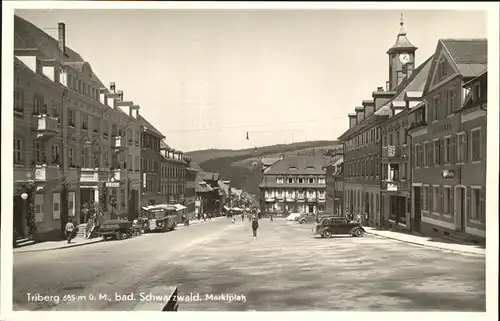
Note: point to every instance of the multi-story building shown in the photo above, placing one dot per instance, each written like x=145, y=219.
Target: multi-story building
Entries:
x=449, y=143
x=334, y=186
x=362, y=148
x=295, y=184
x=190, y=192
x=173, y=174
x=62, y=142
x=213, y=202
x=150, y=164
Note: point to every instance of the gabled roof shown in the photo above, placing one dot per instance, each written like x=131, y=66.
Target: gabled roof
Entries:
x=299, y=165
x=468, y=56
x=164, y=145
x=268, y=161
x=402, y=42
x=470, y=82
x=200, y=185
x=28, y=36
x=148, y=127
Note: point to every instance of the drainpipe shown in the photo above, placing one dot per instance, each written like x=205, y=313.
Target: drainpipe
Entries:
x=410, y=165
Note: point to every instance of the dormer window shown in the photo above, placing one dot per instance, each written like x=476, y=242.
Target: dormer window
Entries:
x=309, y=168
x=476, y=92
x=290, y=180
x=293, y=168
x=442, y=69
x=280, y=180
x=300, y=181
x=311, y=180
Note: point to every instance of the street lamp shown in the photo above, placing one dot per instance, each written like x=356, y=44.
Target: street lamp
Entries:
x=24, y=196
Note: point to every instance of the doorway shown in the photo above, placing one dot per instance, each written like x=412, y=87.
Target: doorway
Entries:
x=460, y=207
x=19, y=216
x=417, y=192
x=311, y=209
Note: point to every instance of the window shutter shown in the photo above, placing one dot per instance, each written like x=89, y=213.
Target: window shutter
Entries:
x=430, y=194
x=430, y=149
x=71, y=204
x=441, y=199
x=452, y=202
x=441, y=151
x=466, y=147
x=453, y=149
x=482, y=215
x=56, y=206
x=469, y=205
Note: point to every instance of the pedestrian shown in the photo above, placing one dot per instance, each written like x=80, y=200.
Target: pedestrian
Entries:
x=358, y=218
x=69, y=229
x=255, y=225
x=271, y=216
x=242, y=217
x=232, y=220
x=205, y=217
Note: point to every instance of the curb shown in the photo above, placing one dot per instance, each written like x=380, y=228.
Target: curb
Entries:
x=59, y=248
x=428, y=246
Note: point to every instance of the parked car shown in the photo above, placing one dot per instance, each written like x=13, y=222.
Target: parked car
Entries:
x=293, y=216
x=117, y=229
x=338, y=225
x=307, y=218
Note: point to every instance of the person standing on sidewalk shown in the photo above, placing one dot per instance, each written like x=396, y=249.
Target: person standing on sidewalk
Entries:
x=255, y=225
x=69, y=229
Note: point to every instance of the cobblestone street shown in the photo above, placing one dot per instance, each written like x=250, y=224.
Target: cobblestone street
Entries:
x=284, y=268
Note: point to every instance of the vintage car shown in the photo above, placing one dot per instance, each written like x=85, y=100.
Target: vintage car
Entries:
x=292, y=216
x=159, y=221
x=338, y=225
x=117, y=229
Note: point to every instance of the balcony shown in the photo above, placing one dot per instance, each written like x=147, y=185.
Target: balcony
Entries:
x=46, y=126
x=311, y=198
x=392, y=186
x=47, y=173
x=91, y=175
x=119, y=143
x=120, y=174
x=391, y=151
x=301, y=197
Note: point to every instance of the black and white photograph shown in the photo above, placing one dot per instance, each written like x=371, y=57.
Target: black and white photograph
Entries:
x=249, y=157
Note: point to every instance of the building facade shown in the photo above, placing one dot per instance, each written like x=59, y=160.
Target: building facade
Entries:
x=295, y=184
x=449, y=143
x=63, y=134
x=151, y=160
x=334, y=187
x=173, y=174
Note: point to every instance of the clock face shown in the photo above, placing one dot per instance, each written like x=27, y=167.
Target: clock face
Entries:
x=404, y=58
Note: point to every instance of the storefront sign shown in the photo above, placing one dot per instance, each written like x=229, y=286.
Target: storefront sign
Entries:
x=113, y=184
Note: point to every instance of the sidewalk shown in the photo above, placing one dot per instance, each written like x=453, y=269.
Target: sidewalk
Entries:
x=56, y=245
x=192, y=222
x=426, y=241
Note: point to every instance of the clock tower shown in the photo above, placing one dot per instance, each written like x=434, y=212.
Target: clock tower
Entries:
x=401, y=58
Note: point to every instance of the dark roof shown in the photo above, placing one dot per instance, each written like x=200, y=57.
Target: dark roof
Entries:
x=267, y=161
x=481, y=75
x=164, y=145
x=149, y=127
x=209, y=176
x=196, y=166
x=200, y=185
x=299, y=165
x=467, y=51
x=28, y=36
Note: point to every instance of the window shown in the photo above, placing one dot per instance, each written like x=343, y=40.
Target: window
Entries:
x=80, y=89
x=70, y=81
x=83, y=158
x=55, y=154
x=321, y=180
x=71, y=154
x=280, y=180
x=477, y=206
x=37, y=150
x=38, y=104
x=447, y=200
x=71, y=204
x=436, y=102
x=18, y=100
x=425, y=160
x=38, y=208
x=290, y=180
x=397, y=137
x=437, y=151
x=97, y=124
x=462, y=147
x=447, y=150
x=301, y=181
x=85, y=121
x=71, y=118
x=405, y=171
x=416, y=153
x=476, y=92
x=451, y=101
x=391, y=139
x=442, y=69
x=311, y=180
x=56, y=202
x=476, y=144
x=384, y=140
x=424, y=201
x=435, y=199
x=18, y=151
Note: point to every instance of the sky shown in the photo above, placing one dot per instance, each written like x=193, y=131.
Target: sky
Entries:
x=206, y=78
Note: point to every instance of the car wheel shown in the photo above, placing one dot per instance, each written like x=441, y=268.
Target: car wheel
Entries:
x=119, y=236
x=358, y=232
x=302, y=222
x=326, y=234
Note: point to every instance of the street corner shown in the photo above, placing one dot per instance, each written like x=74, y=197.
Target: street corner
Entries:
x=59, y=245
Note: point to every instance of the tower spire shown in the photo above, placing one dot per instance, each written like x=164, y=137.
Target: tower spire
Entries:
x=401, y=29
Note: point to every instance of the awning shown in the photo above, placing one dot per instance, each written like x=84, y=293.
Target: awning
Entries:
x=226, y=208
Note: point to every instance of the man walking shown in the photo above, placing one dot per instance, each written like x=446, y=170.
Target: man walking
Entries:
x=255, y=225
x=70, y=228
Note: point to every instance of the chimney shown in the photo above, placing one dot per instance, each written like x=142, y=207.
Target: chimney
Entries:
x=380, y=88
x=134, y=111
x=387, y=86
x=61, y=27
x=360, y=114
x=352, y=120
x=369, y=106
x=120, y=95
